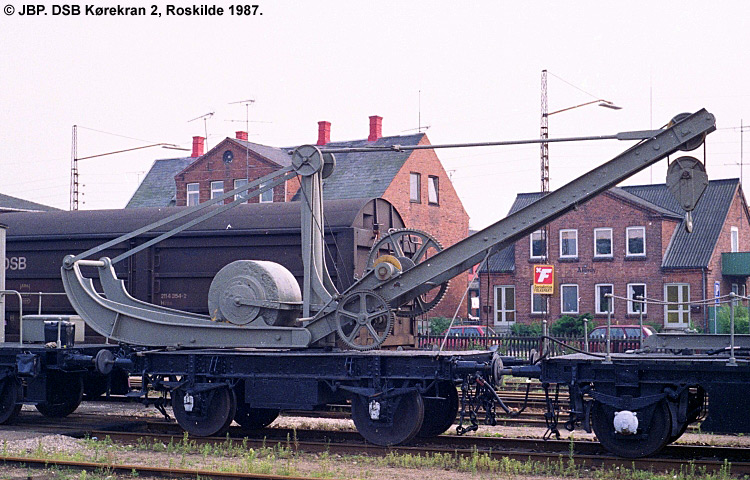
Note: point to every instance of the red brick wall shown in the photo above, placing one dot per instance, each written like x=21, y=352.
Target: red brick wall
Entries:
x=605, y=211
x=210, y=167
x=447, y=221
x=736, y=217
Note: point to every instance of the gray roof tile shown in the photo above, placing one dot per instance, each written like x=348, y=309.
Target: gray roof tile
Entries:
x=15, y=204
x=366, y=174
x=158, y=188
x=693, y=250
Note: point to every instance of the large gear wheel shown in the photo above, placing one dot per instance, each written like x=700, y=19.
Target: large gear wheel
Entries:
x=410, y=247
x=363, y=320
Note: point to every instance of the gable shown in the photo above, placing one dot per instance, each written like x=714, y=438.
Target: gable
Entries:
x=269, y=156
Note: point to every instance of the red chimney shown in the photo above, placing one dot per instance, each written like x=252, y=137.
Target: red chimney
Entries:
x=324, y=132
x=242, y=136
x=197, y=146
x=376, y=128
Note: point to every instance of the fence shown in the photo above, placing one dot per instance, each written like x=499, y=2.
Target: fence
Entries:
x=521, y=346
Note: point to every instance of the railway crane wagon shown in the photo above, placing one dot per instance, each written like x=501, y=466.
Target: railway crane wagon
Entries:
x=177, y=272
x=267, y=346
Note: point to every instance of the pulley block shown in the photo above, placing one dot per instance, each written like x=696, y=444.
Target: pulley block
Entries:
x=687, y=181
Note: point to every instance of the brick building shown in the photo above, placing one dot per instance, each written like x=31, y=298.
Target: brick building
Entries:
x=628, y=242
x=415, y=182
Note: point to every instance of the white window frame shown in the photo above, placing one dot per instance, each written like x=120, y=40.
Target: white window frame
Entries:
x=215, y=192
x=568, y=230
x=627, y=242
x=433, y=190
x=562, y=299
x=611, y=248
x=734, y=239
x=240, y=182
x=531, y=246
x=193, y=196
x=501, y=314
x=632, y=304
x=597, y=297
x=263, y=197
x=682, y=310
x=546, y=303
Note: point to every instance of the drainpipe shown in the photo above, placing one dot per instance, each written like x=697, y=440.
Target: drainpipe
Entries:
x=704, y=306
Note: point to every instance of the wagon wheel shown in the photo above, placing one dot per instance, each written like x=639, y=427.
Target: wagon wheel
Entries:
x=363, y=320
x=651, y=436
x=204, y=414
x=64, y=394
x=410, y=247
x=440, y=409
x=10, y=394
x=399, y=419
x=254, y=418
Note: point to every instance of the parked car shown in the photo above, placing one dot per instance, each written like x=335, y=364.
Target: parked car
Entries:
x=624, y=337
x=462, y=337
x=470, y=331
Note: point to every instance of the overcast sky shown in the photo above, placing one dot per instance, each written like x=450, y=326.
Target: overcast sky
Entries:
x=129, y=82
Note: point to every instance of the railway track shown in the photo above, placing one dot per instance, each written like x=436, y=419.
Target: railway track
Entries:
x=587, y=454
x=126, y=429
x=131, y=470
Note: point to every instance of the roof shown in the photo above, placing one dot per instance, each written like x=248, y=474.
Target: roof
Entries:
x=685, y=250
x=15, y=204
x=504, y=261
x=693, y=250
x=366, y=174
x=279, y=156
x=158, y=188
x=259, y=218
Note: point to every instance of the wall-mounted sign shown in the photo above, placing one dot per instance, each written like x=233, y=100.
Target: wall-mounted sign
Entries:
x=544, y=279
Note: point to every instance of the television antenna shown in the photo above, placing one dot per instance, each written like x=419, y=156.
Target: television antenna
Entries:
x=205, y=118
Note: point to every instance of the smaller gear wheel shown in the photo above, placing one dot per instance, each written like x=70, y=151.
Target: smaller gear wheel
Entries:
x=363, y=320
x=410, y=247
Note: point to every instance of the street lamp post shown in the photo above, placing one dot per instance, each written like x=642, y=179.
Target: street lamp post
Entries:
x=544, y=130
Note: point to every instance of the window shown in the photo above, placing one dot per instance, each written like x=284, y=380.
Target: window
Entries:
x=568, y=243
x=538, y=244
x=193, y=194
x=677, y=309
x=432, y=190
x=505, y=304
x=240, y=182
x=217, y=188
x=538, y=302
x=636, y=290
x=735, y=239
x=602, y=301
x=603, y=242
x=267, y=195
x=415, y=191
x=568, y=298
x=635, y=241
x=738, y=289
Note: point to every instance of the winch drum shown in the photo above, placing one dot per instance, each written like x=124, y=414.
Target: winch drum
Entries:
x=245, y=291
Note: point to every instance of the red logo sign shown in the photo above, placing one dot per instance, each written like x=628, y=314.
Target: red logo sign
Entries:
x=544, y=279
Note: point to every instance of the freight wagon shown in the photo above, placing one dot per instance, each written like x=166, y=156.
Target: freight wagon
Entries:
x=177, y=272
